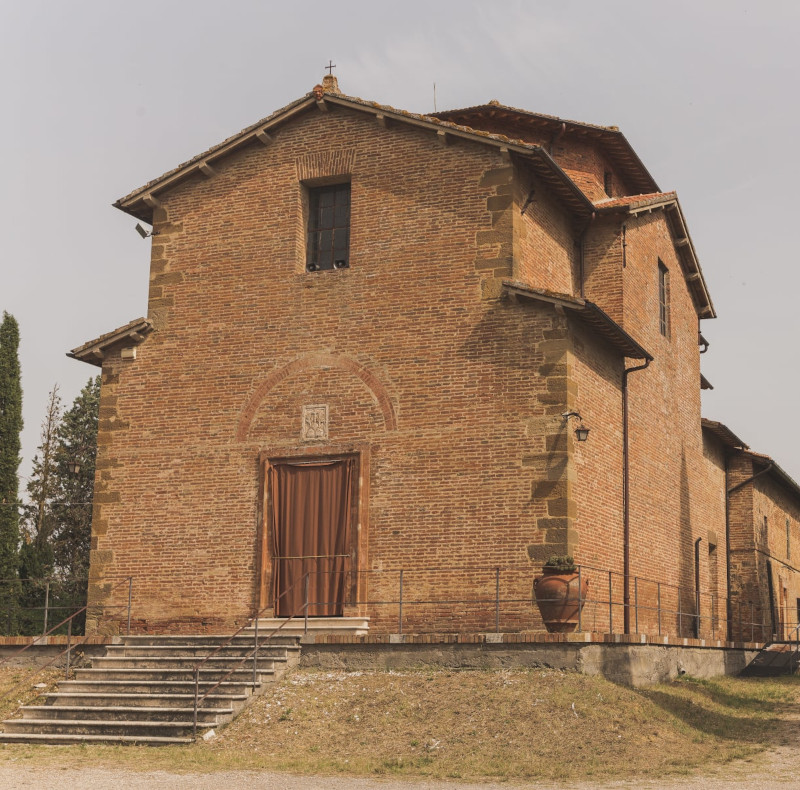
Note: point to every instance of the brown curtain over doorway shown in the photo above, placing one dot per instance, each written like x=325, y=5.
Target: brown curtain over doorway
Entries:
x=311, y=505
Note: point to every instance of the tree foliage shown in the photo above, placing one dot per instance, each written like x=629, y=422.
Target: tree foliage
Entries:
x=10, y=427
x=74, y=472
x=54, y=559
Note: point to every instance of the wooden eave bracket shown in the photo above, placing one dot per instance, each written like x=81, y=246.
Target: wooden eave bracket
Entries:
x=152, y=201
x=206, y=169
x=443, y=137
x=322, y=105
x=263, y=137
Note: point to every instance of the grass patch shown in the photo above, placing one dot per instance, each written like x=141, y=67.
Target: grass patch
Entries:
x=22, y=685
x=511, y=724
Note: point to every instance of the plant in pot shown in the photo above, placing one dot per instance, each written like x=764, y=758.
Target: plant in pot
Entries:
x=560, y=593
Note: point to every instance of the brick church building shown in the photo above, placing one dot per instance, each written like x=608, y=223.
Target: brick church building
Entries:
x=370, y=338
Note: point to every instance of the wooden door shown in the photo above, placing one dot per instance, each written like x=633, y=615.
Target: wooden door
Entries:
x=311, y=505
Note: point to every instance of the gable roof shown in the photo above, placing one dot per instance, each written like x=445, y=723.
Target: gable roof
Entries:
x=588, y=313
x=684, y=246
x=94, y=351
x=614, y=144
x=141, y=202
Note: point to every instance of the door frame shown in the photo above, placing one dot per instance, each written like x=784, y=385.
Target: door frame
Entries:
x=265, y=567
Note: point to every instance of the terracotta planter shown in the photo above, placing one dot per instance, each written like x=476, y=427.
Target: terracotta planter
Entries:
x=558, y=600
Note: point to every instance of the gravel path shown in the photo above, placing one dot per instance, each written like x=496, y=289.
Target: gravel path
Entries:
x=778, y=768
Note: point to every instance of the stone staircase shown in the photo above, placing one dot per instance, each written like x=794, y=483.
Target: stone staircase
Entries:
x=777, y=658
x=142, y=691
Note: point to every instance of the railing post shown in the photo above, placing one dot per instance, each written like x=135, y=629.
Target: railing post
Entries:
x=46, y=605
x=69, y=645
x=658, y=594
x=305, y=608
x=130, y=597
x=255, y=653
x=636, y=602
x=580, y=604
x=497, y=600
x=610, y=604
x=400, y=609
x=196, y=697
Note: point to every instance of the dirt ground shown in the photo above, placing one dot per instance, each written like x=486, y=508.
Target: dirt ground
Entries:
x=779, y=768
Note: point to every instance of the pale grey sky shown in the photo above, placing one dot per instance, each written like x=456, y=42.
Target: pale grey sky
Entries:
x=99, y=97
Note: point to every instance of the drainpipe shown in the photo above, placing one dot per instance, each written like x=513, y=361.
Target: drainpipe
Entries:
x=697, y=587
x=626, y=516
x=728, y=606
x=750, y=479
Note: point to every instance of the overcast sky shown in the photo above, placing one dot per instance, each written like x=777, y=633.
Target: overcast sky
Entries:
x=100, y=97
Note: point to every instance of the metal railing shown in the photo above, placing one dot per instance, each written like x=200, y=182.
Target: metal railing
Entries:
x=71, y=646
x=253, y=655
x=500, y=599
x=38, y=600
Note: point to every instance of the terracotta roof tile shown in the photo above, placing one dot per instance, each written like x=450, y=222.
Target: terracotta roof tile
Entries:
x=632, y=201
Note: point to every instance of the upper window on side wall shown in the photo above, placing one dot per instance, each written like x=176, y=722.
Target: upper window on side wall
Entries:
x=663, y=299
x=328, y=241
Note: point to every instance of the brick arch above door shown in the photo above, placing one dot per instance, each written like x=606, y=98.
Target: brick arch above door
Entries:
x=311, y=362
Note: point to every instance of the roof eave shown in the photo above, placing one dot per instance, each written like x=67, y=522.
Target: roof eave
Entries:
x=610, y=138
x=94, y=351
x=723, y=434
x=588, y=313
x=141, y=202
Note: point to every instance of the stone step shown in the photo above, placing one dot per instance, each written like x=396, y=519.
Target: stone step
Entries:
x=66, y=739
x=350, y=626
x=206, y=676
x=169, y=729
x=181, y=662
x=156, y=686
x=143, y=690
x=207, y=716
x=198, y=652
x=246, y=637
x=87, y=699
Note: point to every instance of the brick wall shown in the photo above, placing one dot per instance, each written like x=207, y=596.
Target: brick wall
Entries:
x=448, y=391
x=454, y=391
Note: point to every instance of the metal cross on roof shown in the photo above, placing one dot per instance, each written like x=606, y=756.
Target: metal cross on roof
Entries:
x=330, y=67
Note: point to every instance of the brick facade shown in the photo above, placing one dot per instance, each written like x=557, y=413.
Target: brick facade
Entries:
x=444, y=383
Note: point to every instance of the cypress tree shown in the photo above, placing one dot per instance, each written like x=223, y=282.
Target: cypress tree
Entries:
x=38, y=524
x=10, y=428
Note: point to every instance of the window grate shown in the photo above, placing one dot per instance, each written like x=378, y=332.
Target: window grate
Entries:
x=328, y=244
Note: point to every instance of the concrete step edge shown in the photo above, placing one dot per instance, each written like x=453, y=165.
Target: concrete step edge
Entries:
x=67, y=737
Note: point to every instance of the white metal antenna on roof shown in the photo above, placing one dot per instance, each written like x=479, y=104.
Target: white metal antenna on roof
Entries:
x=434, y=97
